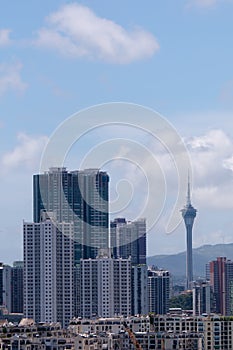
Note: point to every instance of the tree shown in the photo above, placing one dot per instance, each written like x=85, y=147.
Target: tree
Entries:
x=183, y=301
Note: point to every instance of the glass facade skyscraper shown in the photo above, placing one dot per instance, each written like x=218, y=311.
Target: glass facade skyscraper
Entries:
x=80, y=197
x=128, y=239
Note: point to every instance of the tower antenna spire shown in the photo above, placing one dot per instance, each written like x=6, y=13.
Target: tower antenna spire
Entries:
x=188, y=192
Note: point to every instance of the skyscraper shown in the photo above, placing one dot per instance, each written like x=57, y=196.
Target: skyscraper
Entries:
x=158, y=290
x=139, y=290
x=229, y=287
x=128, y=239
x=217, y=280
x=1, y=283
x=17, y=287
x=203, y=302
x=11, y=287
x=221, y=279
x=48, y=271
x=94, y=189
x=189, y=214
x=7, y=287
x=105, y=286
x=80, y=197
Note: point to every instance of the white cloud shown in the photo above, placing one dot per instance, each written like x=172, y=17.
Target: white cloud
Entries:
x=218, y=197
x=26, y=154
x=76, y=31
x=4, y=37
x=16, y=169
x=205, y=3
x=212, y=166
x=212, y=160
x=10, y=78
x=208, y=153
x=213, y=237
x=228, y=163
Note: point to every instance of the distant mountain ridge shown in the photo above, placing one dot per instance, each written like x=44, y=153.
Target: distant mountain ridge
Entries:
x=176, y=263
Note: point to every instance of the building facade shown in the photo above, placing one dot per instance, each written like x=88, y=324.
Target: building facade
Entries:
x=128, y=239
x=105, y=286
x=203, y=298
x=17, y=287
x=1, y=284
x=139, y=290
x=221, y=280
x=7, y=290
x=80, y=197
x=159, y=289
x=48, y=271
x=11, y=287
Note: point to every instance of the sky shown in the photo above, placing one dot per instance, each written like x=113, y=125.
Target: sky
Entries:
x=173, y=57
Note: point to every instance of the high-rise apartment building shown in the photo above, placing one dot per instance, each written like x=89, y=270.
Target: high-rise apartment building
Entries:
x=139, y=287
x=158, y=291
x=221, y=279
x=11, y=287
x=17, y=287
x=229, y=287
x=189, y=214
x=1, y=283
x=203, y=300
x=48, y=271
x=80, y=197
x=128, y=239
x=7, y=292
x=105, y=286
x=217, y=280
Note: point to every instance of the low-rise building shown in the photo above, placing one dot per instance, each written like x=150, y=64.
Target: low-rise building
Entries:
x=112, y=325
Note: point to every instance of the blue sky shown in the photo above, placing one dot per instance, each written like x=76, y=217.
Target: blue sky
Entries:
x=175, y=57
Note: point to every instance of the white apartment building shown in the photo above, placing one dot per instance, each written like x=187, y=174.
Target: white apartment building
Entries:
x=105, y=286
x=48, y=271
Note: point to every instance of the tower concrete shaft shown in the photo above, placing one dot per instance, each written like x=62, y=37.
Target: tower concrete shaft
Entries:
x=189, y=214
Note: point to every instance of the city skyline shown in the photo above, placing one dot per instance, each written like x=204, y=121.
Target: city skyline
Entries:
x=71, y=268
x=182, y=69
